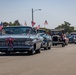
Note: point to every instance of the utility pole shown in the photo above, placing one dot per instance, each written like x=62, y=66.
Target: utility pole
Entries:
x=33, y=15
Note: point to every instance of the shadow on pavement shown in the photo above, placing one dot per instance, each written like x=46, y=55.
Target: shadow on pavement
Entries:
x=15, y=54
x=58, y=46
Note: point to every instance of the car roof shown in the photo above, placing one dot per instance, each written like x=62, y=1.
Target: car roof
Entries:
x=17, y=26
x=41, y=29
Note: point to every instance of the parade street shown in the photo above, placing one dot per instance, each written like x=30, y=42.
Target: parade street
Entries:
x=57, y=61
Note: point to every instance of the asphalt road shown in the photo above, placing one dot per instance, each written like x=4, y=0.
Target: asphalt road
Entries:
x=57, y=61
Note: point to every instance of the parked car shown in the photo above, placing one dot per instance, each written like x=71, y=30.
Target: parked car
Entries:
x=75, y=40
x=72, y=38
x=19, y=39
x=46, y=42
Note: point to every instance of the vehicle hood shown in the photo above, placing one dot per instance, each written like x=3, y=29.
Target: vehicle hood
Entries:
x=17, y=36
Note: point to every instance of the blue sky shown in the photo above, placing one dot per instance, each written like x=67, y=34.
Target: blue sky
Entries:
x=54, y=11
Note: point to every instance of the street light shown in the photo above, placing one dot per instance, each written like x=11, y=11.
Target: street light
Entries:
x=33, y=13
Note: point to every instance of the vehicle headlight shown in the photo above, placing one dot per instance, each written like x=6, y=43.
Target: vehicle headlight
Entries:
x=3, y=43
x=28, y=43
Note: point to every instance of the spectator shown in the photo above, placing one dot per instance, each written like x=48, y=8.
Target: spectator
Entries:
x=3, y=31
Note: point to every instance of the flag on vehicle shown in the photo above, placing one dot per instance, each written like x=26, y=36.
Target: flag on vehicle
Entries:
x=33, y=23
x=45, y=23
x=38, y=27
x=1, y=26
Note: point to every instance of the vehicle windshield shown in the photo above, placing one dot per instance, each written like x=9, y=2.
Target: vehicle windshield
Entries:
x=40, y=31
x=17, y=30
x=56, y=32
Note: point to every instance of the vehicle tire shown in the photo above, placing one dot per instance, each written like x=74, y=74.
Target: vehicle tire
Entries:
x=49, y=47
x=53, y=44
x=38, y=51
x=46, y=48
x=32, y=52
x=66, y=43
x=63, y=45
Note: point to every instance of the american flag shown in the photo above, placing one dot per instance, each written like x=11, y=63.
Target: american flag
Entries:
x=33, y=23
x=1, y=26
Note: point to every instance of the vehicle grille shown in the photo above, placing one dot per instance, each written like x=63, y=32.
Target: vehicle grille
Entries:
x=19, y=43
x=2, y=43
x=55, y=38
x=16, y=42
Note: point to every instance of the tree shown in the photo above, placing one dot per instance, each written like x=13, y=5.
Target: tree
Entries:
x=66, y=26
x=10, y=23
x=16, y=23
x=5, y=24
